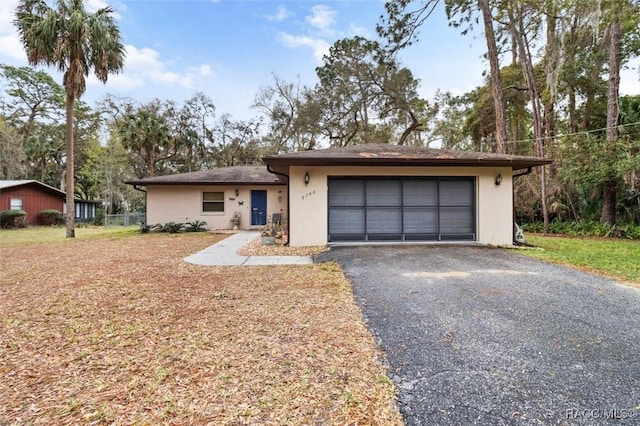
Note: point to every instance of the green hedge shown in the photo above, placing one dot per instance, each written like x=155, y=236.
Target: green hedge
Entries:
x=13, y=219
x=51, y=217
x=587, y=228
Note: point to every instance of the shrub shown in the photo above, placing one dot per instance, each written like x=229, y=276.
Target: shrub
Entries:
x=51, y=217
x=13, y=219
x=587, y=228
x=196, y=226
x=99, y=219
x=172, y=227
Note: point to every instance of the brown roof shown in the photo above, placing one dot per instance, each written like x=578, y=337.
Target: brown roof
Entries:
x=398, y=155
x=5, y=184
x=235, y=175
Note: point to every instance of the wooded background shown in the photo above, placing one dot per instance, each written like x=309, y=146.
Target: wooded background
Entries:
x=551, y=89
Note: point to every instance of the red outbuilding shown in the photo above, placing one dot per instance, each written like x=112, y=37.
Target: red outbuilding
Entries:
x=31, y=196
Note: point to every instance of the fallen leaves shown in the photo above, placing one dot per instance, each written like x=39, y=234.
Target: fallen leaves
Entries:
x=123, y=331
x=256, y=248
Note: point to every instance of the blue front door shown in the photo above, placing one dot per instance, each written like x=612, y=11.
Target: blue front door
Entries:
x=259, y=207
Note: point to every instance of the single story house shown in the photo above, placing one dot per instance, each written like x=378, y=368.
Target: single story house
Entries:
x=362, y=193
x=33, y=196
x=215, y=196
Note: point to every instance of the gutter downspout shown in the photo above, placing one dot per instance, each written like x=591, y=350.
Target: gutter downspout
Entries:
x=270, y=170
x=139, y=188
x=513, y=198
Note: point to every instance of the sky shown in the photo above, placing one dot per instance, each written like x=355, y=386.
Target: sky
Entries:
x=229, y=49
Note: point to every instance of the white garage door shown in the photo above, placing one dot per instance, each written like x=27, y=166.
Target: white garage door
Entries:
x=402, y=209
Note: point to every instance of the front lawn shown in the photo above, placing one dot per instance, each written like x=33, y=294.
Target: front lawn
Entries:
x=47, y=234
x=122, y=331
x=615, y=258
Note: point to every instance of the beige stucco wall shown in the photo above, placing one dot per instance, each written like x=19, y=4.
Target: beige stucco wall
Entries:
x=184, y=204
x=309, y=203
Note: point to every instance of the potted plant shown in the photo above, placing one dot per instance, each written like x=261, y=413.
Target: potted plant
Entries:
x=235, y=220
x=269, y=233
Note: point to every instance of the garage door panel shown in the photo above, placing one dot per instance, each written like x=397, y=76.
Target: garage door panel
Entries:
x=420, y=220
x=347, y=192
x=456, y=220
x=384, y=220
x=420, y=192
x=456, y=192
x=384, y=192
x=346, y=220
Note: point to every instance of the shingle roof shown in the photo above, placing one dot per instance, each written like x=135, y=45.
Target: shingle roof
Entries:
x=395, y=155
x=234, y=175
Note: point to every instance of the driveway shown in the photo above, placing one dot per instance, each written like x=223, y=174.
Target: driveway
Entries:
x=489, y=337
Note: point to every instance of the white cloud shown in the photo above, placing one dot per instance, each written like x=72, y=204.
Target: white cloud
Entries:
x=205, y=70
x=319, y=46
x=322, y=17
x=146, y=62
x=143, y=66
x=280, y=15
x=359, y=30
x=12, y=47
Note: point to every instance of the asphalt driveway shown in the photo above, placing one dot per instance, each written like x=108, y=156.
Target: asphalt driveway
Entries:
x=489, y=337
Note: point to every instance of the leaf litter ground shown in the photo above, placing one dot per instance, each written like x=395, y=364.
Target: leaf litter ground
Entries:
x=123, y=331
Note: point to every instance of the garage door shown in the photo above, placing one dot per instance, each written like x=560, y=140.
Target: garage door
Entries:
x=402, y=209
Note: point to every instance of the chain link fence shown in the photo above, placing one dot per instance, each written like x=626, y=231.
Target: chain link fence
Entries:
x=126, y=219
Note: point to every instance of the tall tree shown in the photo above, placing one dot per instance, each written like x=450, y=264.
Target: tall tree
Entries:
x=404, y=18
x=194, y=125
x=496, y=79
x=33, y=95
x=608, y=215
x=146, y=133
x=76, y=42
x=11, y=153
x=523, y=28
x=365, y=94
x=293, y=115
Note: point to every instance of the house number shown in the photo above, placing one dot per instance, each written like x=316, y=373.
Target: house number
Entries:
x=308, y=194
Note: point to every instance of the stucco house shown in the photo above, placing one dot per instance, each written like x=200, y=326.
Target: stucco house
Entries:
x=362, y=193
x=215, y=196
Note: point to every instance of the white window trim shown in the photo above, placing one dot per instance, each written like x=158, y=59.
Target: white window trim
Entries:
x=14, y=206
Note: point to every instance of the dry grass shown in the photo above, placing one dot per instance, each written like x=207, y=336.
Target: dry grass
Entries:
x=122, y=331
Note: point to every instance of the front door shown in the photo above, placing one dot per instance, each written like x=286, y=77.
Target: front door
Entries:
x=259, y=207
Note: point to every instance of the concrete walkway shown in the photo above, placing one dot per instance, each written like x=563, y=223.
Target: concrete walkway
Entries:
x=224, y=253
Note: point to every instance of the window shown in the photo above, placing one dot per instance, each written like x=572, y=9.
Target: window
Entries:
x=16, y=204
x=213, y=201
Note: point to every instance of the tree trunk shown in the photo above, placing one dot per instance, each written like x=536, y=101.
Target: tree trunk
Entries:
x=608, y=214
x=552, y=69
x=70, y=181
x=571, y=107
x=520, y=35
x=593, y=77
x=496, y=79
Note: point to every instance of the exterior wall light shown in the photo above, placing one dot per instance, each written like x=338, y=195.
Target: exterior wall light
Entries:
x=307, y=178
x=498, y=179
x=237, y=192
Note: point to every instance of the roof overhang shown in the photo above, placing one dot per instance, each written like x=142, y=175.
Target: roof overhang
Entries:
x=400, y=156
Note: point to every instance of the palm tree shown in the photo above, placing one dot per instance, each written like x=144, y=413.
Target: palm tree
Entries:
x=74, y=41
